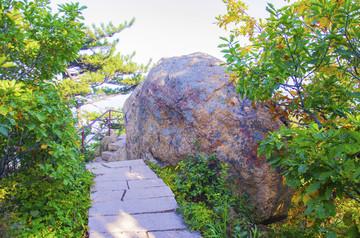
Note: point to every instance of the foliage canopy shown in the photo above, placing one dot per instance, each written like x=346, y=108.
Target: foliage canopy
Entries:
x=43, y=183
x=303, y=63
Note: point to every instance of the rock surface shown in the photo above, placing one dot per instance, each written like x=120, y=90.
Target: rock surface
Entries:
x=190, y=97
x=119, y=155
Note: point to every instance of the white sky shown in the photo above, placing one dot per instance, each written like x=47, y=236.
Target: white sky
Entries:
x=166, y=28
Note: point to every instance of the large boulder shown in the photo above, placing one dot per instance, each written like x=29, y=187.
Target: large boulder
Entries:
x=190, y=97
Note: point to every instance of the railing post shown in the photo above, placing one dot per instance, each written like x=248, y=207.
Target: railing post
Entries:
x=82, y=140
x=109, y=122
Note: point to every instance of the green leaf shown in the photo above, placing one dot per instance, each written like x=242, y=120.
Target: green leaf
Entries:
x=353, y=232
x=347, y=218
x=325, y=175
x=31, y=126
x=3, y=131
x=302, y=168
x=331, y=234
x=12, y=121
x=40, y=117
x=7, y=65
x=357, y=173
x=34, y=213
x=66, y=181
x=314, y=186
x=223, y=38
x=355, y=135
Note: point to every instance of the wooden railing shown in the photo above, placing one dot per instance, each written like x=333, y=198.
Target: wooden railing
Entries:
x=82, y=132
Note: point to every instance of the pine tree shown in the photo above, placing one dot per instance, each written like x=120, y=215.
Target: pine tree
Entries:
x=98, y=63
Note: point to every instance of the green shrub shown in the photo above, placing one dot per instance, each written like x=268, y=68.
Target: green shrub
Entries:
x=204, y=196
x=46, y=207
x=44, y=186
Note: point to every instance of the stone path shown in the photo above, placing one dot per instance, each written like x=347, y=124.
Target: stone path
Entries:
x=130, y=201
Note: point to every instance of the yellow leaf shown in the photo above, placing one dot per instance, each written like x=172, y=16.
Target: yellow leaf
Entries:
x=233, y=78
x=301, y=8
x=310, y=223
x=296, y=197
x=44, y=146
x=306, y=198
x=321, y=143
x=280, y=46
x=77, y=143
x=309, y=196
x=284, y=180
x=272, y=109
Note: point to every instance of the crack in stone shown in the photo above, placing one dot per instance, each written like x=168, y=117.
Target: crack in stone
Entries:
x=164, y=211
x=148, y=236
x=132, y=213
x=122, y=197
x=180, y=229
x=106, y=166
x=145, y=198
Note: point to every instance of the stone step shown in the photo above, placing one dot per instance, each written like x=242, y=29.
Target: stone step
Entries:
x=116, y=145
x=125, y=222
x=107, y=154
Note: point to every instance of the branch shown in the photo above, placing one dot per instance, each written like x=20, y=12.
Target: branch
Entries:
x=69, y=74
x=352, y=196
x=307, y=111
x=33, y=181
x=97, y=37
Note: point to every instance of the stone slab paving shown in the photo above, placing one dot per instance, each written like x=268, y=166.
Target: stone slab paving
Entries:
x=130, y=201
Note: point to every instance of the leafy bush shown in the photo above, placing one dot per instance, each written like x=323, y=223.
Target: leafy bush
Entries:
x=205, y=199
x=46, y=208
x=343, y=223
x=302, y=63
x=37, y=131
x=44, y=186
x=89, y=151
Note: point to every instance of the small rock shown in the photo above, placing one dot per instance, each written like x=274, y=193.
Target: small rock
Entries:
x=97, y=152
x=106, y=141
x=119, y=155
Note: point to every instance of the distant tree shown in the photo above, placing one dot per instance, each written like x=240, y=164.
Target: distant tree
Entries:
x=303, y=63
x=98, y=63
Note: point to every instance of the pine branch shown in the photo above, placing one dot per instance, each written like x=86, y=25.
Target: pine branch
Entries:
x=94, y=35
